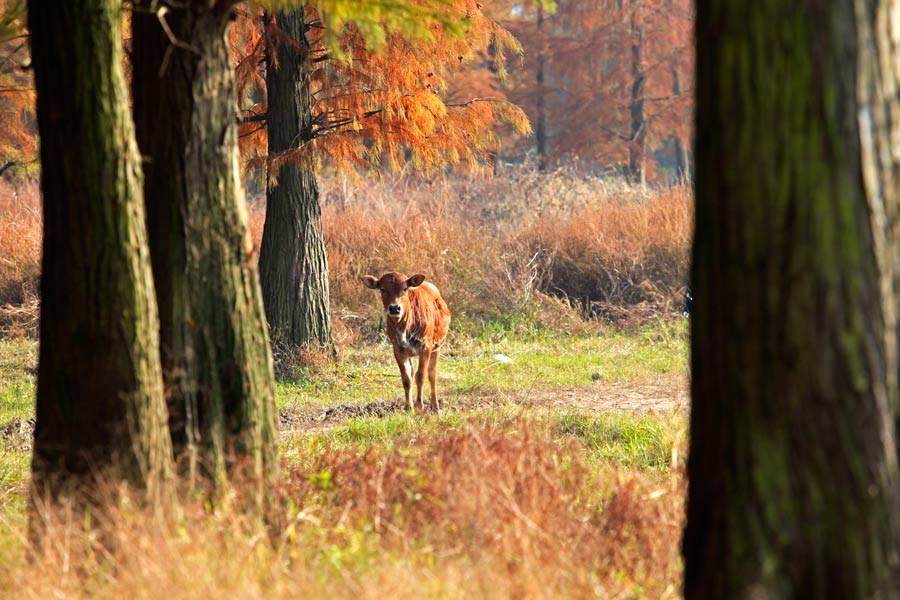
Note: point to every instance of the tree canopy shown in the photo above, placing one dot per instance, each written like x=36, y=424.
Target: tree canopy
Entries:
x=379, y=95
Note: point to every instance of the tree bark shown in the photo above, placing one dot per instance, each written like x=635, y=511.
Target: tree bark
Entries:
x=637, y=147
x=793, y=462
x=216, y=358
x=100, y=406
x=292, y=260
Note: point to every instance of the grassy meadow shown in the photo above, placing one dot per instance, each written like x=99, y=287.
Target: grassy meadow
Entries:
x=555, y=468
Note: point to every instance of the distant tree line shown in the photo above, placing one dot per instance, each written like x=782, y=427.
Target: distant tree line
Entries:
x=607, y=84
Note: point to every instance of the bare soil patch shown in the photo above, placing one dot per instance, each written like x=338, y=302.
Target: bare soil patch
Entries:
x=16, y=434
x=294, y=419
x=666, y=395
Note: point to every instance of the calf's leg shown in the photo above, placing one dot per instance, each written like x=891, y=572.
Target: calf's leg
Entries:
x=405, y=365
x=432, y=379
x=420, y=377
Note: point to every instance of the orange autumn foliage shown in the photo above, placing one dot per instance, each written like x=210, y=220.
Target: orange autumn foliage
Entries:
x=386, y=107
x=591, y=53
x=18, y=136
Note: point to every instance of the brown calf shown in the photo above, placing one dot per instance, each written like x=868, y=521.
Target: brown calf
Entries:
x=417, y=324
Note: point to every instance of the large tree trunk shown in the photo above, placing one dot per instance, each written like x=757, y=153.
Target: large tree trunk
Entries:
x=292, y=262
x=637, y=147
x=100, y=407
x=793, y=463
x=216, y=359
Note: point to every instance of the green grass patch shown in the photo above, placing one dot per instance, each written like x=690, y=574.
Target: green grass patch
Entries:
x=624, y=439
x=629, y=440
x=18, y=377
x=399, y=429
x=497, y=361
x=541, y=361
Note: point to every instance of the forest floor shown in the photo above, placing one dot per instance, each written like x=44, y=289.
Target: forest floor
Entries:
x=669, y=395
x=621, y=397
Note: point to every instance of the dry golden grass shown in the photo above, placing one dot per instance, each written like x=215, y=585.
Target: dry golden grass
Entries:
x=20, y=257
x=520, y=243
x=503, y=246
x=615, y=255
x=512, y=505
x=487, y=511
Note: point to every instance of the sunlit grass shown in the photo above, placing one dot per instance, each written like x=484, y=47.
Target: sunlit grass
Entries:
x=18, y=364
x=490, y=461
x=500, y=362
x=635, y=441
x=642, y=442
x=471, y=507
x=541, y=363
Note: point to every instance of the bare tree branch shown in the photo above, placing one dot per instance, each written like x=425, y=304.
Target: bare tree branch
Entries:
x=8, y=166
x=253, y=118
x=475, y=101
x=176, y=43
x=249, y=133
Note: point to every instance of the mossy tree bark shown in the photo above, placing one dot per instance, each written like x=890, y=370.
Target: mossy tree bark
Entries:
x=292, y=260
x=100, y=406
x=793, y=462
x=217, y=364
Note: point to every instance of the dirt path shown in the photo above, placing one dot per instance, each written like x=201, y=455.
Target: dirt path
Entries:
x=666, y=395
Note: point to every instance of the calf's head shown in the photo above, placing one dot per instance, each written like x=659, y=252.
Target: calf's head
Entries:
x=393, y=288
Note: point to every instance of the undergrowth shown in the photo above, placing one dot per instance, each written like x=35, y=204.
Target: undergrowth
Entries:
x=545, y=250
x=487, y=509
x=20, y=257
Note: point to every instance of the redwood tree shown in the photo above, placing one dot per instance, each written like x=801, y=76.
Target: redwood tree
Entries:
x=793, y=461
x=216, y=359
x=292, y=260
x=99, y=394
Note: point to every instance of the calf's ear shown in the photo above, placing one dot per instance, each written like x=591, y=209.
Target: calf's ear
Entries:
x=370, y=282
x=415, y=281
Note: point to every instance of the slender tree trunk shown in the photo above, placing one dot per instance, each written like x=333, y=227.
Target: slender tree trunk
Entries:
x=682, y=161
x=216, y=358
x=793, y=463
x=540, y=128
x=682, y=154
x=292, y=262
x=100, y=404
x=637, y=149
